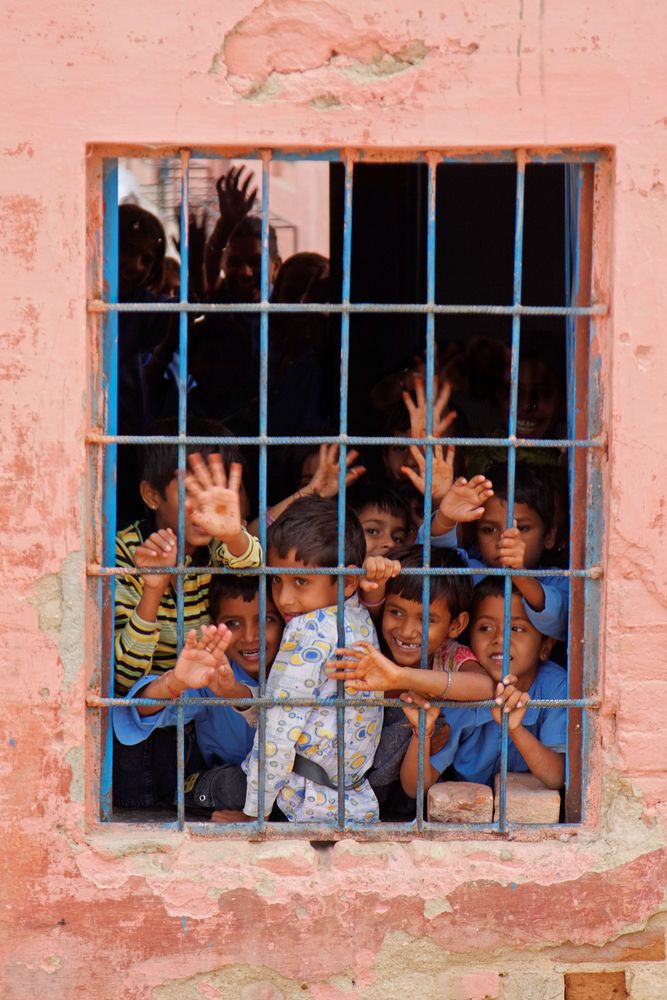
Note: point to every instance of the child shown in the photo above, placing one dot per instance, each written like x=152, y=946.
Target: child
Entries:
x=223, y=736
x=537, y=736
x=302, y=742
x=146, y=606
x=461, y=677
x=322, y=483
x=522, y=546
x=383, y=514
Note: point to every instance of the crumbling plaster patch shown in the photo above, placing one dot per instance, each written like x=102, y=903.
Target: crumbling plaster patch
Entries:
x=310, y=49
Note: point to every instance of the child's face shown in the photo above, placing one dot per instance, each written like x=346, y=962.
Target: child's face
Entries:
x=402, y=628
x=531, y=526
x=242, y=264
x=136, y=260
x=242, y=619
x=528, y=647
x=382, y=530
x=166, y=514
x=394, y=456
x=297, y=594
x=539, y=401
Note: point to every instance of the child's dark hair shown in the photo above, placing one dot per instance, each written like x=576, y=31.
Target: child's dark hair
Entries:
x=531, y=487
x=456, y=590
x=230, y=586
x=310, y=527
x=250, y=227
x=159, y=462
x=136, y=223
x=370, y=494
x=490, y=586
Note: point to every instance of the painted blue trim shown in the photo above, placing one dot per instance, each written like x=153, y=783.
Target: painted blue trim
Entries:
x=110, y=391
x=511, y=469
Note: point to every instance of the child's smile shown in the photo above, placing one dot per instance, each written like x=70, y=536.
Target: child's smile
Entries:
x=402, y=629
x=528, y=647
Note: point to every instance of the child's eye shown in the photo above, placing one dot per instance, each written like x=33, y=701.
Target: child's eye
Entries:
x=372, y=531
x=271, y=620
x=275, y=581
x=486, y=529
x=517, y=628
x=301, y=581
x=399, y=539
x=231, y=623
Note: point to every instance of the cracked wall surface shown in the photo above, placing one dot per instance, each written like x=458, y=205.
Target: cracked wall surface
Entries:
x=153, y=914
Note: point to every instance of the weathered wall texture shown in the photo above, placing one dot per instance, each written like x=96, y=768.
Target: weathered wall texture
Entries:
x=101, y=913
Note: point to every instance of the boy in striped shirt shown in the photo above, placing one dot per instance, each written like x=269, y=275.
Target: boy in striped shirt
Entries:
x=145, y=606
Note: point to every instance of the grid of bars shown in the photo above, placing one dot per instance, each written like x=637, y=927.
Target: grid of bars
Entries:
x=584, y=451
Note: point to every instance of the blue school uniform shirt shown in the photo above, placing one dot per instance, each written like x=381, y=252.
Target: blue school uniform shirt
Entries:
x=473, y=748
x=551, y=621
x=223, y=735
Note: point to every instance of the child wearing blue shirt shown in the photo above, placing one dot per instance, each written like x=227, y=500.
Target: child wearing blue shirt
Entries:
x=223, y=736
x=537, y=736
x=484, y=501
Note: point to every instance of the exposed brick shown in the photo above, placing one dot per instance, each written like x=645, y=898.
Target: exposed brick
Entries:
x=644, y=946
x=460, y=802
x=528, y=800
x=595, y=986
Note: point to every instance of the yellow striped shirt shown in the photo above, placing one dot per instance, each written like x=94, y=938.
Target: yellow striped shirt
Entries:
x=143, y=647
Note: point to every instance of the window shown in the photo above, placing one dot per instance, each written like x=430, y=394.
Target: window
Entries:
x=428, y=254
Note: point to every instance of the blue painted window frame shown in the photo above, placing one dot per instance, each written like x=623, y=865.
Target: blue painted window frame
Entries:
x=580, y=321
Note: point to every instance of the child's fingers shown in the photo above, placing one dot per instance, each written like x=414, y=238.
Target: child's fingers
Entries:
x=199, y=470
x=354, y=474
x=413, y=698
x=413, y=477
x=352, y=456
x=351, y=652
x=444, y=423
x=410, y=406
x=509, y=533
x=367, y=584
x=418, y=456
x=193, y=487
x=235, y=473
x=514, y=700
x=217, y=470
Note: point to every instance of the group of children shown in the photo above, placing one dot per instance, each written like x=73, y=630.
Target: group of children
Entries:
x=382, y=649
x=384, y=618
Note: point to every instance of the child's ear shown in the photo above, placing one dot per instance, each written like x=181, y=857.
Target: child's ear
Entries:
x=149, y=494
x=545, y=648
x=550, y=537
x=351, y=583
x=458, y=624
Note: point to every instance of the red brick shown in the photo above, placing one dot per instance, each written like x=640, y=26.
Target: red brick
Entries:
x=528, y=800
x=595, y=986
x=460, y=802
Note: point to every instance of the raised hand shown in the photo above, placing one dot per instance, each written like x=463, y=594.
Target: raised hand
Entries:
x=465, y=499
x=512, y=549
x=159, y=549
x=214, y=501
x=442, y=471
x=363, y=668
x=325, y=481
x=416, y=407
x=201, y=658
x=235, y=195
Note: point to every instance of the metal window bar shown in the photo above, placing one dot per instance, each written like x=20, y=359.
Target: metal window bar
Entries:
x=589, y=448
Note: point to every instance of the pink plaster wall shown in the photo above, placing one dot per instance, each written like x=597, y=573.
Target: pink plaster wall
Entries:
x=91, y=912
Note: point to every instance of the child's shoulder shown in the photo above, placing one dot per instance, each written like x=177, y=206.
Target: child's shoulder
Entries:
x=551, y=681
x=129, y=539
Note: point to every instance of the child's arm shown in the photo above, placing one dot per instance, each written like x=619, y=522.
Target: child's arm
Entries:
x=214, y=504
x=546, y=764
x=137, y=602
x=202, y=663
x=323, y=484
x=512, y=553
x=373, y=585
x=410, y=763
x=235, y=201
x=364, y=668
